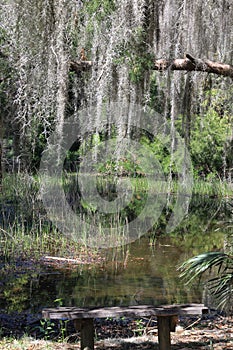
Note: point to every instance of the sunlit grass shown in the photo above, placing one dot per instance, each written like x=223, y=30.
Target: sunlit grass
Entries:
x=26, y=343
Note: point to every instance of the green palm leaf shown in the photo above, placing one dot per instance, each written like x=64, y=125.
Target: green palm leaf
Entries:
x=219, y=287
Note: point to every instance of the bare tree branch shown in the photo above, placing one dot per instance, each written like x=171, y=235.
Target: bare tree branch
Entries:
x=193, y=64
x=187, y=64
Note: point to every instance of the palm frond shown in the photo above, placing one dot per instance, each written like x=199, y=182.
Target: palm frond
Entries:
x=219, y=287
x=197, y=265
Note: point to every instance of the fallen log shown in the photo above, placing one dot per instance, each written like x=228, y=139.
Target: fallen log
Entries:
x=66, y=260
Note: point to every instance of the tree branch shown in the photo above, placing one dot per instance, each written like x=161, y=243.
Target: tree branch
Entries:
x=193, y=64
x=187, y=64
x=77, y=66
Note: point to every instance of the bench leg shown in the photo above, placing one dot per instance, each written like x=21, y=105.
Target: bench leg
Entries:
x=164, y=336
x=86, y=326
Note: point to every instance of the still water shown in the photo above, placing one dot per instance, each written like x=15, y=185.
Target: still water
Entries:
x=143, y=272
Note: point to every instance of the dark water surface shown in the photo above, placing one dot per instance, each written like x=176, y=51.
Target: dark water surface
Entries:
x=143, y=272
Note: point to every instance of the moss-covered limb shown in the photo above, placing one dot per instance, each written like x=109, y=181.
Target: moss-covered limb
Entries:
x=188, y=64
x=193, y=64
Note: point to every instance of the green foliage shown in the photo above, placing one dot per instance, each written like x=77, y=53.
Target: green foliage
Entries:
x=99, y=8
x=15, y=292
x=59, y=302
x=139, y=64
x=160, y=152
x=212, y=186
x=220, y=286
x=121, y=167
x=209, y=135
x=157, y=96
x=47, y=328
x=95, y=12
x=135, y=55
x=140, y=59
x=207, y=142
x=140, y=327
x=6, y=72
x=22, y=190
x=210, y=142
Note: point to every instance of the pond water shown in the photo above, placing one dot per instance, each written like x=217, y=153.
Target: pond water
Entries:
x=143, y=272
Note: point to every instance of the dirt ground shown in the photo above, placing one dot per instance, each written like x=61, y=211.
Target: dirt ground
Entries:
x=215, y=333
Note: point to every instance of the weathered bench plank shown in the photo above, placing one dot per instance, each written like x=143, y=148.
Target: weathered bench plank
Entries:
x=166, y=315
x=72, y=313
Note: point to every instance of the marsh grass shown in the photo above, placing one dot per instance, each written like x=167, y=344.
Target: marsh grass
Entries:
x=214, y=187
x=34, y=244
x=25, y=230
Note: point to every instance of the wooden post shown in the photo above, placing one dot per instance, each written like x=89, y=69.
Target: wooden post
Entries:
x=173, y=323
x=87, y=333
x=164, y=337
x=77, y=324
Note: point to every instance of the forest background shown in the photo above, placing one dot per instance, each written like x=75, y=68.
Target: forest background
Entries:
x=59, y=58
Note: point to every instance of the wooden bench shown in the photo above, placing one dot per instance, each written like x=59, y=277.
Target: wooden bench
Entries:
x=167, y=316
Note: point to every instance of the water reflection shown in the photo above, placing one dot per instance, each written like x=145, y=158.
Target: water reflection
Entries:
x=139, y=273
